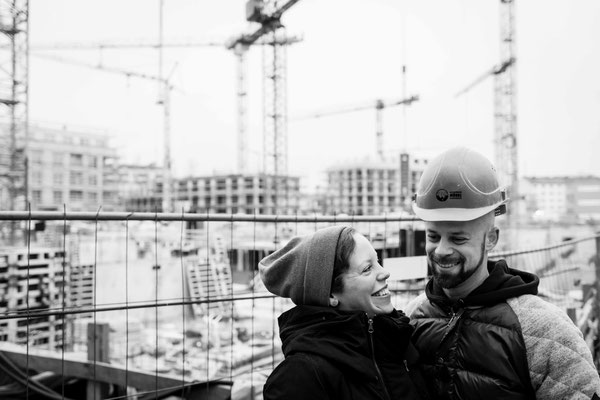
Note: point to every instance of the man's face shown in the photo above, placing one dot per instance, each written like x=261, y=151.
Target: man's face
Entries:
x=455, y=250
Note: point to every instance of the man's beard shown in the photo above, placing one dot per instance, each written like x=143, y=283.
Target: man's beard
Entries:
x=448, y=280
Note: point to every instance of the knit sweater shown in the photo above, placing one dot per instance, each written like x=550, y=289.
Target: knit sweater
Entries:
x=558, y=361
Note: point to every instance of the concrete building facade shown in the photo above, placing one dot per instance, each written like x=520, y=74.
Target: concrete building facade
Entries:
x=140, y=187
x=562, y=198
x=224, y=194
x=236, y=193
x=371, y=187
x=73, y=168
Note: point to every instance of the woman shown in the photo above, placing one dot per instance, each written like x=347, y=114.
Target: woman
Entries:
x=343, y=340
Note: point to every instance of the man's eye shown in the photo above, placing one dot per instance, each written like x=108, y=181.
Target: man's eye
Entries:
x=432, y=238
x=368, y=268
x=460, y=240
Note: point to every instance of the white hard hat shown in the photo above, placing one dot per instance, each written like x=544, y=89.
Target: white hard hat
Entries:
x=459, y=185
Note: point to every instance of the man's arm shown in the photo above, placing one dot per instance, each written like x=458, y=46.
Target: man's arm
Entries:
x=560, y=363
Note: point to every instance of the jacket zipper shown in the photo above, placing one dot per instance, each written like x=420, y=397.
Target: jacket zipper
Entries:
x=456, y=314
x=371, y=330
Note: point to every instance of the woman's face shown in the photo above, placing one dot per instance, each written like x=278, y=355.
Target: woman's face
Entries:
x=365, y=287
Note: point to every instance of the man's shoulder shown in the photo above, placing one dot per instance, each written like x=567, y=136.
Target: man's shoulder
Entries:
x=539, y=317
x=414, y=304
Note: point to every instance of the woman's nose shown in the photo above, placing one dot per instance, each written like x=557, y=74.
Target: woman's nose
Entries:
x=383, y=274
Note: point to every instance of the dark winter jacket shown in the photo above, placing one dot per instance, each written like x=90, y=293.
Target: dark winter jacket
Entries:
x=331, y=354
x=501, y=342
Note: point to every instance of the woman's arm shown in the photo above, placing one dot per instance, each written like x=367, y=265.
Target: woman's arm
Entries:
x=298, y=377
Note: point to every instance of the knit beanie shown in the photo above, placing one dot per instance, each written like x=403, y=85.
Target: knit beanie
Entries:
x=303, y=268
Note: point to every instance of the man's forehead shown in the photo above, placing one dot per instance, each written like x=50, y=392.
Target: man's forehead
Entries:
x=454, y=227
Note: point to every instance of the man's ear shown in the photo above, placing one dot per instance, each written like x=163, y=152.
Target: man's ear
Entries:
x=333, y=301
x=492, y=238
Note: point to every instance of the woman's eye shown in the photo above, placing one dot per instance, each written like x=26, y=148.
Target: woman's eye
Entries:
x=460, y=240
x=432, y=238
x=368, y=268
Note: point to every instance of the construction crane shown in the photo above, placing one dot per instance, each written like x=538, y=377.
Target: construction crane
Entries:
x=268, y=14
x=14, y=71
x=166, y=87
x=505, y=113
x=379, y=105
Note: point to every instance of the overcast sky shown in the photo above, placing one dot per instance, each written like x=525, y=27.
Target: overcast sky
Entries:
x=351, y=54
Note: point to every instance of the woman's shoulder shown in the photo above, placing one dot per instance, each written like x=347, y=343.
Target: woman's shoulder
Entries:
x=308, y=362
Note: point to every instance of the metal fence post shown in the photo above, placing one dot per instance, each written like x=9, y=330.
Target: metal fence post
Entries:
x=596, y=307
x=97, y=351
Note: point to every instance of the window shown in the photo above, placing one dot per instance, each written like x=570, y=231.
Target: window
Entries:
x=58, y=158
x=76, y=195
x=76, y=178
x=36, y=156
x=36, y=177
x=92, y=180
x=76, y=159
x=92, y=197
x=93, y=161
x=57, y=197
x=57, y=178
x=36, y=196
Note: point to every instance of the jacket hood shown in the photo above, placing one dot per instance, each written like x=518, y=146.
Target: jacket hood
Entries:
x=341, y=337
x=502, y=284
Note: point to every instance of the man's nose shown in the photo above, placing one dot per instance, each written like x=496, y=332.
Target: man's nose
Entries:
x=443, y=248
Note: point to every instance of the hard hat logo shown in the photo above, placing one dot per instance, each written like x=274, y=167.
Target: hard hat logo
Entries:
x=441, y=195
x=470, y=188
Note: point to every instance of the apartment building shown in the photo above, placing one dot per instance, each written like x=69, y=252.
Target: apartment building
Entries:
x=73, y=168
x=373, y=187
x=562, y=198
x=237, y=193
x=140, y=187
x=223, y=194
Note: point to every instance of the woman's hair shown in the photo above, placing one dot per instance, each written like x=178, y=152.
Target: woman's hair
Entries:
x=345, y=248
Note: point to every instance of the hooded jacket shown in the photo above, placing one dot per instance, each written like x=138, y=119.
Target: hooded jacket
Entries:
x=331, y=354
x=501, y=342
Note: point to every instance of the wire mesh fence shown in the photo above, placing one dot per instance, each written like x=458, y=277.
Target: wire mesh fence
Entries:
x=145, y=305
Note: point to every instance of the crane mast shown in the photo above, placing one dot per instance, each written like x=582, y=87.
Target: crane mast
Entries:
x=505, y=115
x=14, y=71
x=275, y=148
x=274, y=40
x=505, y=126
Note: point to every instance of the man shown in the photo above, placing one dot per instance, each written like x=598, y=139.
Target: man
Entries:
x=481, y=329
